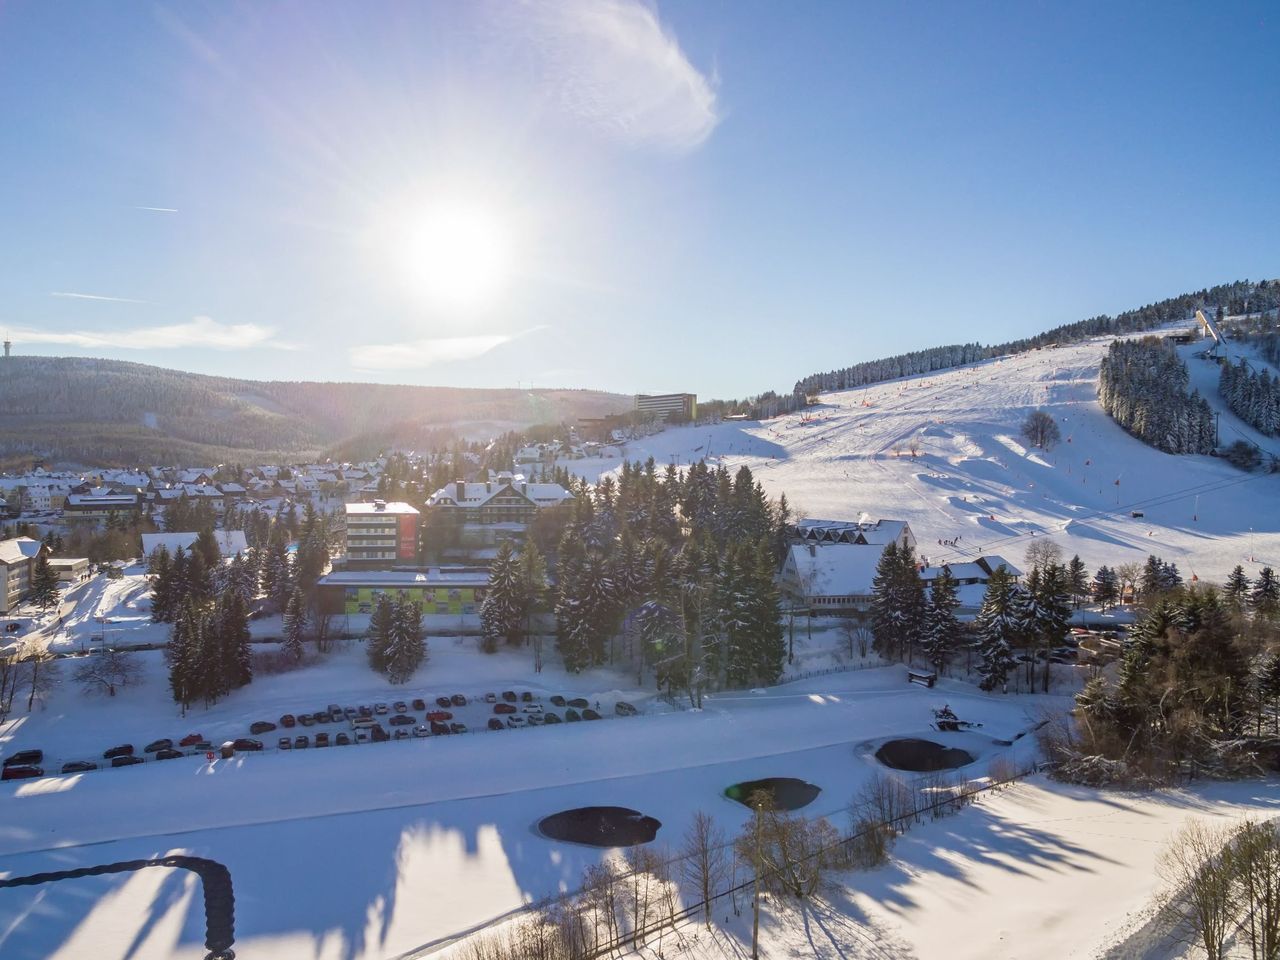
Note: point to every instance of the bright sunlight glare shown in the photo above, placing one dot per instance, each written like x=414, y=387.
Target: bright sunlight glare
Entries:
x=456, y=255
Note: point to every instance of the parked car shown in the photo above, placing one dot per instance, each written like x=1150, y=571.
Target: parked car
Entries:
x=247, y=744
x=306, y=719
x=322, y=716
x=490, y=698
x=402, y=720
x=379, y=735
x=509, y=696
x=288, y=720
x=364, y=711
x=458, y=700
x=285, y=743
x=154, y=745
x=301, y=742
x=342, y=740
x=380, y=709
x=515, y=720
x=439, y=715
x=79, y=766
x=22, y=771
x=504, y=708
x=363, y=723
x=551, y=718
x=526, y=696
x=533, y=708
x=579, y=703
x=204, y=745
x=26, y=758
x=589, y=714
x=335, y=711
x=12, y=627
x=322, y=740
x=363, y=736
x=557, y=700
x=444, y=703
x=401, y=735
x=624, y=709
x=126, y=761
x=496, y=724
x=457, y=727
x=534, y=719
x=124, y=750
x=261, y=726
x=572, y=716
x=169, y=754
x=419, y=704
x=438, y=728
x=400, y=707
x=422, y=731
x=350, y=713
x=190, y=740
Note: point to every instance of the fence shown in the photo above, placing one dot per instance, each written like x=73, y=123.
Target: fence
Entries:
x=843, y=668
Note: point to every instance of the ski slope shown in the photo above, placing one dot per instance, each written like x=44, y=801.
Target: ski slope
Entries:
x=974, y=481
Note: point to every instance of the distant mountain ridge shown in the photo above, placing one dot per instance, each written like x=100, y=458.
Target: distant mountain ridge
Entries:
x=114, y=412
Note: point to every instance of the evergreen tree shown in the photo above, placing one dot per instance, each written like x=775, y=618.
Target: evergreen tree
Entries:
x=999, y=630
x=500, y=613
x=1078, y=580
x=1265, y=598
x=44, y=583
x=182, y=654
x=295, y=623
x=406, y=648
x=941, y=627
x=532, y=575
x=381, y=629
x=1236, y=591
x=233, y=631
x=211, y=674
x=160, y=569
x=1052, y=613
x=1106, y=588
x=207, y=546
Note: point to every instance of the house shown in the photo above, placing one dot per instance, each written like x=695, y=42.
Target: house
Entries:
x=503, y=498
x=440, y=590
x=70, y=569
x=93, y=507
x=230, y=542
x=17, y=563
x=863, y=531
x=829, y=578
x=971, y=580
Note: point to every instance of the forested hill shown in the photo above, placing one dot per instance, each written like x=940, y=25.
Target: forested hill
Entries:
x=110, y=412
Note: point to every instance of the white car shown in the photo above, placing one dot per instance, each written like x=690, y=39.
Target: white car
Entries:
x=515, y=720
x=363, y=735
x=421, y=731
x=533, y=708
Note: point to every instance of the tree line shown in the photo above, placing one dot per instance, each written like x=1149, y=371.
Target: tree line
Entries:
x=1143, y=385
x=1253, y=395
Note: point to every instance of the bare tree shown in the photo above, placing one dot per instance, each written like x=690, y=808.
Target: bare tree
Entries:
x=858, y=635
x=1254, y=859
x=1041, y=430
x=1128, y=575
x=703, y=864
x=104, y=672
x=1198, y=899
x=1043, y=552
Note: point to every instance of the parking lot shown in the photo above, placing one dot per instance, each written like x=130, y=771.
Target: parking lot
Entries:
x=417, y=716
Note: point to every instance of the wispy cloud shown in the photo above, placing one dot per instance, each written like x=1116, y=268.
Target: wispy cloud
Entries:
x=93, y=296
x=417, y=354
x=158, y=209
x=614, y=65
x=199, y=332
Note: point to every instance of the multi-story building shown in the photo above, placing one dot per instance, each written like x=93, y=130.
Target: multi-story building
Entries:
x=17, y=561
x=381, y=534
x=440, y=590
x=685, y=405
x=98, y=507
x=504, y=498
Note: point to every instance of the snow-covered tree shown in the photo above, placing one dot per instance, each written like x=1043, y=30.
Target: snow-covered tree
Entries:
x=294, y=626
x=942, y=634
x=1000, y=629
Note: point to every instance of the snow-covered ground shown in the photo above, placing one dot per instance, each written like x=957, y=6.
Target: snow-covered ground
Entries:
x=374, y=850
x=1039, y=870
x=975, y=480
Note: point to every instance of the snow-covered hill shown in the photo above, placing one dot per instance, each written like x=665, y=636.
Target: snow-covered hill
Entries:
x=975, y=482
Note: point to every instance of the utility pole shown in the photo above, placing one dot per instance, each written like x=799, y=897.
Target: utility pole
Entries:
x=755, y=904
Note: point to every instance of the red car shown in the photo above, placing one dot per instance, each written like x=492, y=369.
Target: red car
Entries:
x=190, y=740
x=504, y=708
x=439, y=716
x=20, y=771
x=288, y=720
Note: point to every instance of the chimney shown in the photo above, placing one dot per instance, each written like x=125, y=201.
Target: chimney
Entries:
x=524, y=488
x=459, y=490
x=488, y=486
x=813, y=550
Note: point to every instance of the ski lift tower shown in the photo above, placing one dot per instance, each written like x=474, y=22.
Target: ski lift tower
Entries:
x=1211, y=330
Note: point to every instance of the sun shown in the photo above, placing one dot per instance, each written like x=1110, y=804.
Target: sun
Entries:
x=455, y=255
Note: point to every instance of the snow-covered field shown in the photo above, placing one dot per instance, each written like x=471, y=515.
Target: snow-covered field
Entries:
x=976, y=481
x=372, y=851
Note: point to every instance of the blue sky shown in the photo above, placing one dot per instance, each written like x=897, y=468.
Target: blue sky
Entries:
x=718, y=197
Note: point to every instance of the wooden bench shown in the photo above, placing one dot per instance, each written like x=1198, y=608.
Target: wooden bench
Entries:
x=924, y=679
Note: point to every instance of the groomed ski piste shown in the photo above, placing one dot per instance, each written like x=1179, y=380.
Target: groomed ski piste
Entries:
x=974, y=480
x=399, y=849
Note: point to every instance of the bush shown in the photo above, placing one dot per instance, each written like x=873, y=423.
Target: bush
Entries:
x=1243, y=455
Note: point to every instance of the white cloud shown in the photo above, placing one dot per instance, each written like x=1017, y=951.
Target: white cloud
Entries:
x=613, y=64
x=199, y=332
x=93, y=296
x=415, y=354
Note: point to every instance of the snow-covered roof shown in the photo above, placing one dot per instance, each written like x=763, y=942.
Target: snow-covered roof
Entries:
x=477, y=493
x=835, y=569
x=381, y=507
x=18, y=549
x=230, y=542
x=878, y=532
x=435, y=576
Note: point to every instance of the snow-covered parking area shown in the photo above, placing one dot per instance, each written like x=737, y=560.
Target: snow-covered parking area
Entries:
x=373, y=851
